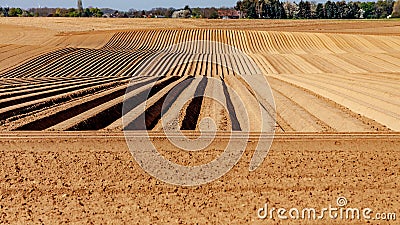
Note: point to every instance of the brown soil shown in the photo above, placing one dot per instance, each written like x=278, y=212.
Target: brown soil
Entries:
x=92, y=178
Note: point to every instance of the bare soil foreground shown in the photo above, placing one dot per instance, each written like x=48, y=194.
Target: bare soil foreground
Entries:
x=63, y=82
x=92, y=178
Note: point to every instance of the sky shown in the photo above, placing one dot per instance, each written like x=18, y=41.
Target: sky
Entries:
x=118, y=4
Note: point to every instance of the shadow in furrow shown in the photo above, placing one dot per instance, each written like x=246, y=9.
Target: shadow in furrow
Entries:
x=49, y=103
x=149, y=119
x=194, y=108
x=231, y=109
x=59, y=117
x=53, y=92
x=110, y=115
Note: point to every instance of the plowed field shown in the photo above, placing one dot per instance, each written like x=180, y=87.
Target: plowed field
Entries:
x=336, y=92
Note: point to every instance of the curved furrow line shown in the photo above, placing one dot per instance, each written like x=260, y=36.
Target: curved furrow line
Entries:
x=335, y=60
x=56, y=67
x=184, y=65
x=253, y=42
x=268, y=46
x=333, y=44
x=302, y=64
x=274, y=42
x=215, y=110
x=112, y=40
x=365, y=45
x=154, y=69
x=345, y=42
x=116, y=65
x=137, y=60
x=140, y=68
x=65, y=111
x=295, y=44
x=259, y=38
x=170, y=59
x=296, y=116
x=318, y=43
x=99, y=58
x=16, y=100
x=38, y=66
x=100, y=112
x=15, y=58
x=51, y=99
x=153, y=107
x=174, y=117
x=263, y=63
x=307, y=46
x=335, y=117
x=281, y=64
x=203, y=66
x=9, y=93
x=385, y=100
x=36, y=62
x=391, y=78
x=322, y=64
x=392, y=42
x=13, y=48
x=35, y=83
x=383, y=60
x=382, y=42
x=286, y=44
x=280, y=42
x=62, y=67
x=251, y=119
x=353, y=102
x=137, y=38
x=195, y=65
x=175, y=64
x=387, y=86
x=363, y=63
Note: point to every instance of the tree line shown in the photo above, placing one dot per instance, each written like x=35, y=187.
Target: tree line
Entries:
x=256, y=9
x=55, y=12
x=275, y=9
x=208, y=12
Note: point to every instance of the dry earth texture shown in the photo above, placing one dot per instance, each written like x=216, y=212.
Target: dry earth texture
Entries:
x=336, y=80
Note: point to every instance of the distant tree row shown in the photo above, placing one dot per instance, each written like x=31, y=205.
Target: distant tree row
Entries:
x=6, y=11
x=274, y=9
x=56, y=12
x=210, y=13
x=260, y=9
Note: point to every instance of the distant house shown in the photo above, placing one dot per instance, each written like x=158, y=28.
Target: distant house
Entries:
x=228, y=14
x=106, y=15
x=181, y=14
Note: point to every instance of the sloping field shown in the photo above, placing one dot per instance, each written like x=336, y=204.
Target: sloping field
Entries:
x=320, y=82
